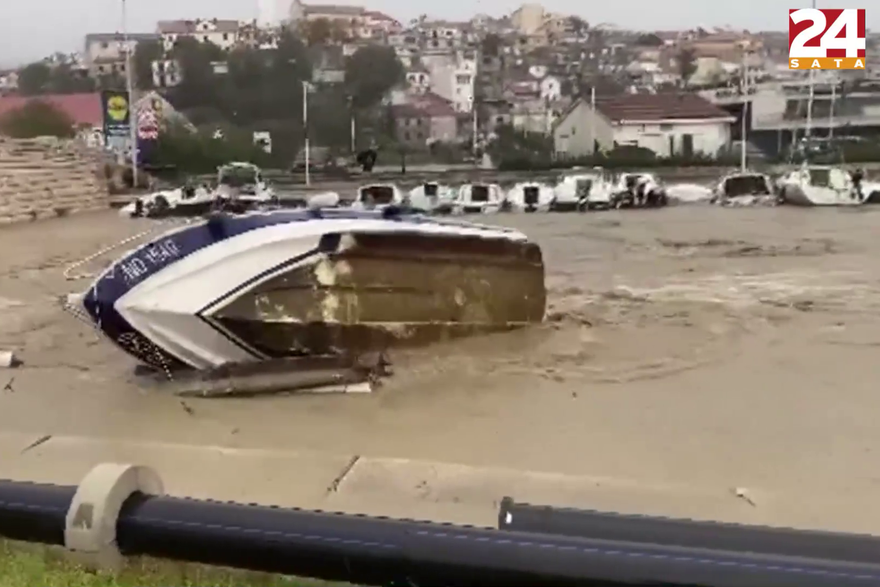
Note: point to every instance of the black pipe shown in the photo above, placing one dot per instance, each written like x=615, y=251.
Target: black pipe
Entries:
x=378, y=551
x=34, y=512
x=829, y=548
x=523, y=517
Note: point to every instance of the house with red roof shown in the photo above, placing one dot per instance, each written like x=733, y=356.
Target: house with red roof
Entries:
x=668, y=123
x=425, y=118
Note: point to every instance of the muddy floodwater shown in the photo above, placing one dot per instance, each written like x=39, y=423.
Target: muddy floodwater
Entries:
x=716, y=348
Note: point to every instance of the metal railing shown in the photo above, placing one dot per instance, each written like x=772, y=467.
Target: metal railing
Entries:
x=120, y=510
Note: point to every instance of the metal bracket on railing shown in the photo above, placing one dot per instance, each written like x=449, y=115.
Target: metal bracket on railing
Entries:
x=90, y=525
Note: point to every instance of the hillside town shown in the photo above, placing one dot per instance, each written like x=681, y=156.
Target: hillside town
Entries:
x=581, y=86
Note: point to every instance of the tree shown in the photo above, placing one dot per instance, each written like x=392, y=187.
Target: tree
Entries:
x=318, y=31
x=145, y=54
x=371, y=73
x=649, y=40
x=578, y=25
x=199, y=84
x=491, y=45
x=34, y=79
x=37, y=119
x=687, y=64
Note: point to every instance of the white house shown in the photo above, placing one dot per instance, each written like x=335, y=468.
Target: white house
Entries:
x=105, y=52
x=418, y=80
x=551, y=88
x=667, y=123
x=223, y=33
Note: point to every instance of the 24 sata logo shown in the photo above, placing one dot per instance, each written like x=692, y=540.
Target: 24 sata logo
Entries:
x=827, y=38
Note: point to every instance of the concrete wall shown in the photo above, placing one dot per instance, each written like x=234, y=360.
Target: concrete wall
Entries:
x=43, y=178
x=708, y=137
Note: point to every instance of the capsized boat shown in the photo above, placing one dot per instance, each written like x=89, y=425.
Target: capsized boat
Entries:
x=478, y=198
x=528, y=196
x=431, y=197
x=745, y=189
x=582, y=191
x=240, y=186
x=238, y=289
x=377, y=196
x=819, y=185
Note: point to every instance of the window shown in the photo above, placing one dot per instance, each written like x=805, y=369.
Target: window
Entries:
x=104, y=45
x=463, y=79
x=406, y=136
x=225, y=36
x=573, y=130
x=205, y=38
x=665, y=127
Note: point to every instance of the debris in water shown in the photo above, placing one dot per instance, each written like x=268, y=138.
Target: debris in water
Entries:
x=743, y=494
x=334, y=485
x=37, y=442
x=8, y=386
x=187, y=408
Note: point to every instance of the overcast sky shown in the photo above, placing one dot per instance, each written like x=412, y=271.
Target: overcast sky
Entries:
x=30, y=29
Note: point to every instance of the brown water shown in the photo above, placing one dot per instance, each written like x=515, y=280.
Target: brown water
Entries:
x=723, y=347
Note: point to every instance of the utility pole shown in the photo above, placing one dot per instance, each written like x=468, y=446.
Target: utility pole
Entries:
x=744, y=85
x=129, y=86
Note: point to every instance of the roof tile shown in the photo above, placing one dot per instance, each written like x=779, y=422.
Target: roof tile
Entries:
x=661, y=106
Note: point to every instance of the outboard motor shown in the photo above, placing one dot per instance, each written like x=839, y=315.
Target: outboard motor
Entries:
x=367, y=159
x=530, y=198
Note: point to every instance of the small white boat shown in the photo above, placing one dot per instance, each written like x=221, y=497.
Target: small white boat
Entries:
x=582, y=191
x=478, y=198
x=639, y=190
x=379, y=195
x=819, y=185
x=529, y=196
x=240, y=186
x=745, y=189
x=234, y=289
x=432, y=197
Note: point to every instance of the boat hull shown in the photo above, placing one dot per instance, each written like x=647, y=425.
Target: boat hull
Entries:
x=288, y=284
x=795, y=195
x=382, y=291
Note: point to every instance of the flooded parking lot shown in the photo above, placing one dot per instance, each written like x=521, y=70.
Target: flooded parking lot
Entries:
x=689, y=346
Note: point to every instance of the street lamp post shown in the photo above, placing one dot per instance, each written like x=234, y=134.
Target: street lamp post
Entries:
x=305, y=86
x=129, y=86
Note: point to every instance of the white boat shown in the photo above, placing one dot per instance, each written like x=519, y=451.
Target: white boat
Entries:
x=639, y=190
x=478, y=198
x=233, y=289
x=529, y=196
x=240, y=186
x=582, y=191
x=377, y=196
x=745, y=189
x=819, y=185
x=871, y=191
x=432, y=197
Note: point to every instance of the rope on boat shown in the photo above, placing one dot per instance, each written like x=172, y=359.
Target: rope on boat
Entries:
x=70, y=268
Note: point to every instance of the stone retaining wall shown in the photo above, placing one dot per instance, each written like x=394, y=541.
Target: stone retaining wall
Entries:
x=42, y=178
